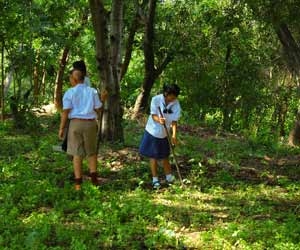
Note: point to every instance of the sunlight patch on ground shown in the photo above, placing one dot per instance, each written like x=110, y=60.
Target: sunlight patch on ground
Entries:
x=48, y=109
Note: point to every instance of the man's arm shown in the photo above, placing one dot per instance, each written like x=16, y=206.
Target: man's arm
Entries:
x=99, y=110
x=63, y=122
x=102, y=97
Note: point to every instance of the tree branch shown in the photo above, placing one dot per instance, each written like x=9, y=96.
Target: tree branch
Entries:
x=163, y=65
x=130, y=41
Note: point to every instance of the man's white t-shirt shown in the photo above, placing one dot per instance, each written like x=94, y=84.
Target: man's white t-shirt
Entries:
x=82, y=100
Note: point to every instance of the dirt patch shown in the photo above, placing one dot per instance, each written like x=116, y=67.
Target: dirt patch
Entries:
x=117, y=159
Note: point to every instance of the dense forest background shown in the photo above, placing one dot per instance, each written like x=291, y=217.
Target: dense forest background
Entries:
x=237, y=62
x=238, y=65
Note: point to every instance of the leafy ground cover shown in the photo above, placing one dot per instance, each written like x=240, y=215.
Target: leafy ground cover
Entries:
x=238, y=194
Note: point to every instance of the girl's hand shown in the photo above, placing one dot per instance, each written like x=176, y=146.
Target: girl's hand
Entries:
x=174, y=141
x=162, y=120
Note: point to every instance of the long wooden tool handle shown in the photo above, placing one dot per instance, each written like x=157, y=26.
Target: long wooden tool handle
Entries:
x=172, y=148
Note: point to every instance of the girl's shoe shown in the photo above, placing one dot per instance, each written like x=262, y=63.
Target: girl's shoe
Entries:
x=156, y=185
x=171, y=180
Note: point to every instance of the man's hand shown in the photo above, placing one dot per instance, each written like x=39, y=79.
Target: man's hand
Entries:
x=63, y=123
x=61, y=134
x=103, y=95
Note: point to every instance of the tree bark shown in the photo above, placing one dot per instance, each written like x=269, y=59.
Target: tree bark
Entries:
x=149, y=78
x=130, y=41
x=2, y=82
x=292, y=50
x=59, y=79
x=63, y=62
x=36, y=88
x=290, y=47
x=151, y=72
x=43, y=84
x=227, y=99
x=294, y=136
x=108, y=55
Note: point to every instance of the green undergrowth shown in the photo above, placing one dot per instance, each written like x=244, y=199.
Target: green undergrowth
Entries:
x=238, y=194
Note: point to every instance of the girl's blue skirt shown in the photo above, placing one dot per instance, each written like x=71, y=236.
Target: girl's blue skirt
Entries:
x=153, y=147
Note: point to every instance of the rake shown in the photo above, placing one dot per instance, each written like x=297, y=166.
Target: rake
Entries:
x=172, y=147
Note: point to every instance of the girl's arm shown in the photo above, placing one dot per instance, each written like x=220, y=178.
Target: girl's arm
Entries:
x=174, y=132
x=158, y=119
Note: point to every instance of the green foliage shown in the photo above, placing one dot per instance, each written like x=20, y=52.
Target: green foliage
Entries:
x=132, y=81
x=242, y=191
x=225, y=57
x=238, y=194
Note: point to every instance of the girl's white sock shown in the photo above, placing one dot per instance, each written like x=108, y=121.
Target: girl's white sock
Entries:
x=154, y=179
x=169, y=177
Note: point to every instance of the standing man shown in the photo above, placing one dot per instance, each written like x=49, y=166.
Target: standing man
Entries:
x=81, y=104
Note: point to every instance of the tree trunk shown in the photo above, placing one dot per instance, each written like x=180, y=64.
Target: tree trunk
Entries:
x=227, y=99
x=290, y=47
x=131, y=34
x=142, y=100
x=108, y=55
x=294, y=136
x=292, y=51
x=36, y=87
x=63, y=61
x=282, y=117
x=8, y=80
x=59, y=79
x=2, y=82
x=43, y=84
x=151, y=73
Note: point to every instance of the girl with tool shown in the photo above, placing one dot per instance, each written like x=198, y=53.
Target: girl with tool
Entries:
x=164, y=114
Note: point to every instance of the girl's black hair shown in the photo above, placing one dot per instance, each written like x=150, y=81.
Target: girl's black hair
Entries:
x=171, y=89
x=80, y=65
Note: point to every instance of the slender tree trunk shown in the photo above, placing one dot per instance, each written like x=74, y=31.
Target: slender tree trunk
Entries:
x=227, y=100
x=292, y=52
x=2, y=82
x=131, y=35
x=294, y=136
x=149, y=78
x=64, y=60
x=282, y=117
x=43, y=83
x=8, y=80
x=59, y=79
x=114, y=130
x=36, y=86
x=290, y=47
x=108, y=32
x=151, y=72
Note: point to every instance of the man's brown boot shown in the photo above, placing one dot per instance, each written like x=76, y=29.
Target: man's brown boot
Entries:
x=78, y=182
x=94, y=178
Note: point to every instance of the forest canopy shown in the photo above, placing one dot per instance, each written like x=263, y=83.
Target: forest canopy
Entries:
x=237, y=62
